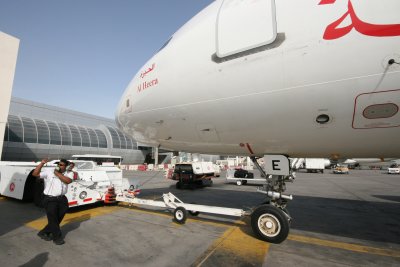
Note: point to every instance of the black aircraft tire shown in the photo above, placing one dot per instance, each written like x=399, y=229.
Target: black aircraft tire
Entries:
x=180, y=215
x=270, y=224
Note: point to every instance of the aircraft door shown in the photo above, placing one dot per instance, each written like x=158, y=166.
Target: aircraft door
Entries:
x=243, y=25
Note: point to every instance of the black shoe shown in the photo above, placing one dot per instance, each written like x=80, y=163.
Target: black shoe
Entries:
x=58, y=241
x=45, y=236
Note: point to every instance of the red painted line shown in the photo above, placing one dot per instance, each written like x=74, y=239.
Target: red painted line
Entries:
x=87, y=199
x=72, y=203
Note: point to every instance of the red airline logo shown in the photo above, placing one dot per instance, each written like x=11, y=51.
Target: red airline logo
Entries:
x=12, y=187
x=147, y=84
x=332, y=31
x=144, y=73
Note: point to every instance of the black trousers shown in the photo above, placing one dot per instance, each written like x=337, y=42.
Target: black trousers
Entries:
x=55, y=207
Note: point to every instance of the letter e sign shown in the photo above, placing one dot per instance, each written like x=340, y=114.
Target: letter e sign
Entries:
x=276, y=164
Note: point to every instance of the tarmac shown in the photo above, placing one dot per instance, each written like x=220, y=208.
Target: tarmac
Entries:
x=338, y=220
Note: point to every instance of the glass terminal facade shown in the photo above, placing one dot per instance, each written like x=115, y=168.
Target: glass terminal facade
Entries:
x=35, y=131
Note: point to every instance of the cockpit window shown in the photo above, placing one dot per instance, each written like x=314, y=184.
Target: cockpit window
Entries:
x=164, y=45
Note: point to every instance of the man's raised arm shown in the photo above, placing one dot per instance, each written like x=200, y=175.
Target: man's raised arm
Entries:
x=36, y=171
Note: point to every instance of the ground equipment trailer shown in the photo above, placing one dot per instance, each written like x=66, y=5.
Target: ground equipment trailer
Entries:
x=230, y=177
x=193, y=174
x=93, y=184
x=315, y=165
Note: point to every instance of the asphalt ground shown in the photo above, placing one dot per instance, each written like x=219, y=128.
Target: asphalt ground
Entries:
x=338, y=220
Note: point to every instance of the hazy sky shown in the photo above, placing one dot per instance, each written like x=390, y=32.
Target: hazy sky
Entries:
x=81, y=54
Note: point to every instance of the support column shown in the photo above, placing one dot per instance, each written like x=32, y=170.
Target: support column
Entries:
x=155, y=149
x=8, y=59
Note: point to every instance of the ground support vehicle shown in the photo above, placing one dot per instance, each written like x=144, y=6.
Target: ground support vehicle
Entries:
x=94, y=184
x=193, y=174
x=217, y=170
x=315, y=165
x=341, y=169
x=230, y=177
x=394, y=169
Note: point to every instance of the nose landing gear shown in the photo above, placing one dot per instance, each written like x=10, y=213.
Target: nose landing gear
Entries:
x=271, y=222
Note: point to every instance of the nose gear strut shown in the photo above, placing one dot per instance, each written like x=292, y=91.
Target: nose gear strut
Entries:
x=271, y=222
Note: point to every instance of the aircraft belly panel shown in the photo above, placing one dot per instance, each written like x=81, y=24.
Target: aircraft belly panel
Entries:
x=377, y=110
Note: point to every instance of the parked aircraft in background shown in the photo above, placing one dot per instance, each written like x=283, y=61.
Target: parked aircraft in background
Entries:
x=355, y=162
x=293, y=78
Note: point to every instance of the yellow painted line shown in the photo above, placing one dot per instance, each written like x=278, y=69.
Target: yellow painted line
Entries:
x=79, y=216
x=235, y=247
x=345, y=246
x=2, y=198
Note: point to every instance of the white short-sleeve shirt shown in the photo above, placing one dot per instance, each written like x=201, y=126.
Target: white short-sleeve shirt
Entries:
x=53, y=186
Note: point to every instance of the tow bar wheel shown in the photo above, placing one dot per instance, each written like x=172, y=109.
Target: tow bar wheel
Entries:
x=270, y=224
x=180, y=215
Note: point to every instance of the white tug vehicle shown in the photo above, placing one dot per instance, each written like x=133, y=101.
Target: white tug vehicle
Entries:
x=394, y=169
x=92, y=183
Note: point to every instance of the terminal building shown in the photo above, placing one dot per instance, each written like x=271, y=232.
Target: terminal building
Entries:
x=34, y=131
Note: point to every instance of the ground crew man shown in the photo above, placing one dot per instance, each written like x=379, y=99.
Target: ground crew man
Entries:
x=55, y=202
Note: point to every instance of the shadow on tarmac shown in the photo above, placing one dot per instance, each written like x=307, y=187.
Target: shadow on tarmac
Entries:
x=76, y=223
x=38, y=260
x=365, y=220
x=391, y=198
x=16, y=213
x=374, y=221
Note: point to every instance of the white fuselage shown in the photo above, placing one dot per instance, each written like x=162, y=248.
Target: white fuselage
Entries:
x=267, y=100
